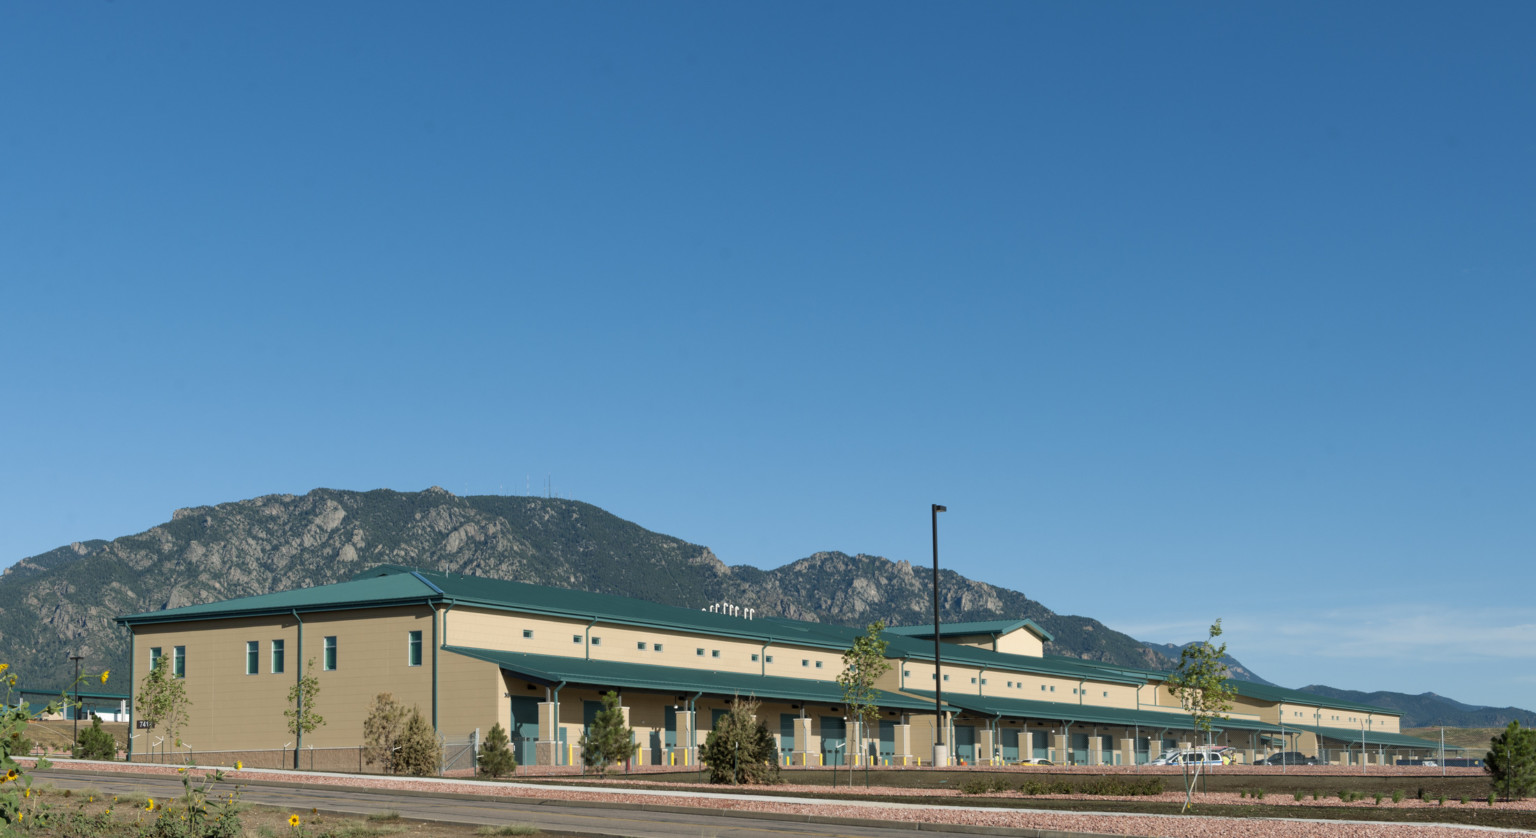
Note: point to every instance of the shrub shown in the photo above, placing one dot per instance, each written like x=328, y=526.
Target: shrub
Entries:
x=420, y=753
x=740, y=749
x=1299, y=796
x=1114, y=786
x=1034, y=786
x=976, y=786
x=1317, y=795
x=1464, y=800
x=496, y=759
x=381, y=732
x=95, y=743
x=1378, y=798
x=1259, y=794
x=1442, y=800
x=1492, y=796
x=1397, y=795
x=608, y=739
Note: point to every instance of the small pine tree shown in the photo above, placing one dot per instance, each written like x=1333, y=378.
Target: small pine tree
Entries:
x=420, y=753
x=95, y=743
x=740, y=750
x=609, y=740
x=1511, y=762
x=496, y=759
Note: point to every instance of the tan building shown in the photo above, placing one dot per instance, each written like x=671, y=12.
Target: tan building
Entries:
x=471, y=652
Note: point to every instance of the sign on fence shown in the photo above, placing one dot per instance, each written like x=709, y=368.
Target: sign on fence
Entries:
x=143, y=724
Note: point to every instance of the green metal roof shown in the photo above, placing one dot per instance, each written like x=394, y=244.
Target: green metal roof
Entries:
x=605, y=674
x=1022, y=708
x=962, y=629
x=898, y=646
x=1264, y=692
x=1373, y=737
x=394, y=589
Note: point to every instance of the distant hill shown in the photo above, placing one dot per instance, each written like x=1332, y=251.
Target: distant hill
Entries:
x=1235, y=667
x=64, y=601
x=1431, y=710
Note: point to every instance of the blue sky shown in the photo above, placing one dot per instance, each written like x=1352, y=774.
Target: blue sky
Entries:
x=1185, y=310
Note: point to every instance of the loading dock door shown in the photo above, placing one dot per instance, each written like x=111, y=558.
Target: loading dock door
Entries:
x=525, y=728
x=965, y=743
x=786, y=736
x=833, y=733
x=1010, y=744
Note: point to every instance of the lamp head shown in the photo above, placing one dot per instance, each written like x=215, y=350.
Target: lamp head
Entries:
x=938, y=508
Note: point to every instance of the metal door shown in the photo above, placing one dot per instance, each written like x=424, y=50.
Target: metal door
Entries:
x=834, y=732
x=525, y=728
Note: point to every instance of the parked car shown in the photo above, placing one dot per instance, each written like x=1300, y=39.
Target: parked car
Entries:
x=1200, y=756
x=1289, y=758
x=1035, y=761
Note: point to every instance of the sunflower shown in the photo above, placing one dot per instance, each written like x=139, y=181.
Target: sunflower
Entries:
x=293, y=820
x=104, y=674
x=239, y=765
x=4, y=667
x=150, y=806
x=9, y=776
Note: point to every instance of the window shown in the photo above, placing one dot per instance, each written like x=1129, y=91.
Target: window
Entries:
x=946, y=677
x=818, y=664
x=1042, y=688
x=640, y=645
x=252, y=655
x=973, y=680
x=329, y=662
x=714, y=653
x=699, y=652
x=597, y=641
x=983, y=682
x=1106, y=693
x=277, y=657
x=768, y=659
x=1053, y=688
x=179, y=661
x=527, y=634
x=413, y=649
x=154, y=656
x=754, y=657
x=575, y=638
x=906, y=673
x=804, y=662
x=1010, y=685
x=656, y=646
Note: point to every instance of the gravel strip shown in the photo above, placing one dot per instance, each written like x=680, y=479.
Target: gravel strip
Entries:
x=969, y=813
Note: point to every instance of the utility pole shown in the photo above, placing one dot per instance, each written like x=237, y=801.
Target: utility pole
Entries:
x=940, y=753
x=77, y=658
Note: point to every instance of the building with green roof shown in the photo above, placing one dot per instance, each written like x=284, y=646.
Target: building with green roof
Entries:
x=469, y=652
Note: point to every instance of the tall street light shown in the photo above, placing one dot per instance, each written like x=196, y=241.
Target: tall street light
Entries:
x=77, y=659
x=940, y=753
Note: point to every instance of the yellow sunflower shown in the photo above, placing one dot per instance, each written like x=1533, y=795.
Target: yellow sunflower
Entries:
x=293, y=820
x=104, y=674
x=4, y=667
x=9, y=776
x=239, y=765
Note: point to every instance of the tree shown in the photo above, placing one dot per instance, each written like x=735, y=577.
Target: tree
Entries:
x=740, y=750
x=1511, y=762
x=382, y=730
x=95, y=743
x=420, y=753
x=496, y=758
x=609, y=740
x=163, y=700
x=863, y=664
x=301, y=714
x=1200, y=684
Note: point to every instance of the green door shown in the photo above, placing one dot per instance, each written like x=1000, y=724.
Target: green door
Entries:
x=525, y=728
x=965, y=743
x=1079, y=745
x=887, y=740
x=834, y=733
x=786, y=736
x=1040, y=743
x=1010, y=744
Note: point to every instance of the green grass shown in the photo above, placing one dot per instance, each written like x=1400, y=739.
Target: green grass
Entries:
x=358, y=829
x=384, y=817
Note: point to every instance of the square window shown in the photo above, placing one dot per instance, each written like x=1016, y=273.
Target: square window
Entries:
x=754, y=657
x=656, y=647
x=277, y=657
x=804, y=662
x=818, y=664
x=906, y=673
x=179, y=661
x=983, y=682
x=714, y=653
x=640, y=645
x=597, y=641
x=698, y=652
x=413, y=649
x=1053, y=688
x=973, y=680
x=527, y=634
x=252, y=655
x=768, y=659
x=1106, y=693
x=329, y=663
x=946, y=677
x=575, y=638
x=1042, y=688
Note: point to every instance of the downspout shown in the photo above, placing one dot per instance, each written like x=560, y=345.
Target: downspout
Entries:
x=981, y=681
x=903, y=676
x=762, y=656
x=555, y=732
x=131, y=648
x=693, y=727
x=435, y=643
x=1080, y=690
x=298, y=742
x=587, y=633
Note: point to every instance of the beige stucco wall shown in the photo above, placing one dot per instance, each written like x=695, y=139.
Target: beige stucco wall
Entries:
x=502, y=630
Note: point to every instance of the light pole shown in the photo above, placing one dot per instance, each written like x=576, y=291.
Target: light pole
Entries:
x=77, y=659
x=940, y=753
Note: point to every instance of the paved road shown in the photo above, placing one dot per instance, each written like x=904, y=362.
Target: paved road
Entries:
x=586, y=819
